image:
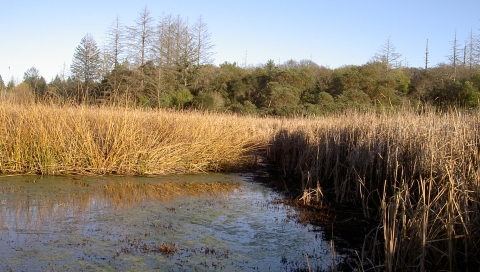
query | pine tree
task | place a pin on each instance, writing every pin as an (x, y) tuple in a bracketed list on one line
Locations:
[(86, 66), (86, 61)]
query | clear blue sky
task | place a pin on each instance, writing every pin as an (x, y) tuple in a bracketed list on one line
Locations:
[(44, 34)]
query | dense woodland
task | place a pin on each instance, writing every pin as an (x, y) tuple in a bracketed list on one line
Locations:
[(168, 63)]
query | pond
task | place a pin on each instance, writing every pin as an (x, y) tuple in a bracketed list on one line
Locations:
[(171, 223)]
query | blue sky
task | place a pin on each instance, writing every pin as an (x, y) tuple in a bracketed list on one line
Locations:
[(44, 34)]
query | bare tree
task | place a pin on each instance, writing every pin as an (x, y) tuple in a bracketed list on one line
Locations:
[(166, 45), (174, 47), (141, 37), (469, 52), (388, 56), (426, 56), (202, 43), (115, 42), (455, 55)]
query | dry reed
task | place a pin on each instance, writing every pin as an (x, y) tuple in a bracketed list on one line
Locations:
[(44, 139), (418, 174)]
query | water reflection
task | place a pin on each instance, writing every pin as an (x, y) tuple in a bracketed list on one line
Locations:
[(180, 223)]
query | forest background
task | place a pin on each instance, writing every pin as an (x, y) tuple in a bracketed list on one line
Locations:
[(168, 63)]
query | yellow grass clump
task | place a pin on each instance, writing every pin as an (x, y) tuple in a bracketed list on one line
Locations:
[(45, 139)]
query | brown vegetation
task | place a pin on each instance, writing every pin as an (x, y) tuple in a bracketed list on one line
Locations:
[(45, 139), (417, 174)]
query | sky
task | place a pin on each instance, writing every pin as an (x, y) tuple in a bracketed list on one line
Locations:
[(44, 34)]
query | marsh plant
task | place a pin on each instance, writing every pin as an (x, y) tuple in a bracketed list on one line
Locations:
[(416, 174), (44, 139)]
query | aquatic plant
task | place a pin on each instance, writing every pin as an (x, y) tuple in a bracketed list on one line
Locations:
[(167, 248), (416, 174)]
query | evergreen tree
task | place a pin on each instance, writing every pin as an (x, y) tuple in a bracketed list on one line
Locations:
[(38, 85), (86, 61), (86, 65)]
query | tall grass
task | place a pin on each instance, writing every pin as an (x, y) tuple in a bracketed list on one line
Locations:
[(45, 139), (418, 174)]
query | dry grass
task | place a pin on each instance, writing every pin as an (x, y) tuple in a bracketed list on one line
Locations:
[(44, 139), (418, 174)]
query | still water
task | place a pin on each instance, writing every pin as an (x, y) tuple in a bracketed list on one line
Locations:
[(210, 222)]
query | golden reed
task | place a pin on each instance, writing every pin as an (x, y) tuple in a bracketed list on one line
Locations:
[(47, 139), (416, 173)]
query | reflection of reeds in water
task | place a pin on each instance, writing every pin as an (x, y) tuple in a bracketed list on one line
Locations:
[(26, 209), (121, 194)]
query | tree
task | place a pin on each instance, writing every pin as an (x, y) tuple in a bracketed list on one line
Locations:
[(454, 57), (388, 56), (2, 84), (37, 84), (86, 63), (141, 38), (470, 58), (115, 42), (202, 44), (426, 56), (11, 84)]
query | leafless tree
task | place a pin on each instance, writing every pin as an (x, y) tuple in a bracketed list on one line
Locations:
[(202, 43), (115, 42), (141, 37), (388, 56), (470, 57), (455, 55), (426, 56)]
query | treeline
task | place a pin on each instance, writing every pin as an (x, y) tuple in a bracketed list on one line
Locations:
[(167, 63)]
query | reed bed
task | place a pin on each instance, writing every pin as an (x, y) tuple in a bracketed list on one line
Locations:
[(45, 139), (417, 174)]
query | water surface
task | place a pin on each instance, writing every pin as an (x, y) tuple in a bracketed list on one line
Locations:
[(172, 223)]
